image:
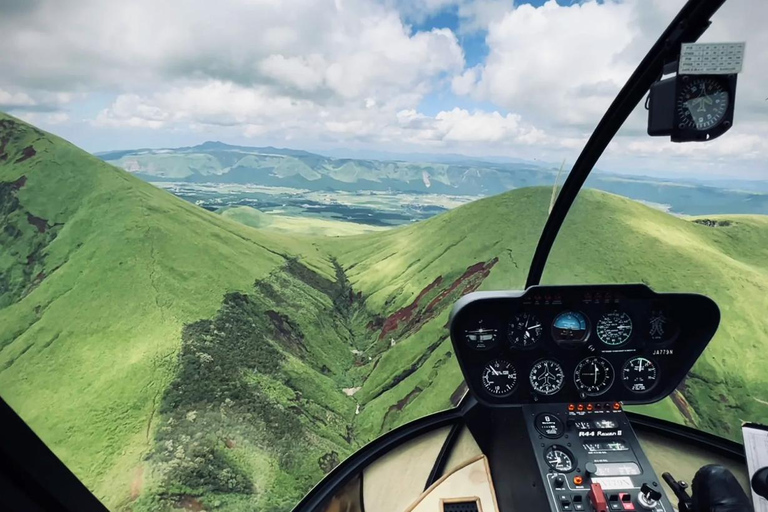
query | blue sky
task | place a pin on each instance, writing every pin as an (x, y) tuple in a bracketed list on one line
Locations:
[(483, 77)]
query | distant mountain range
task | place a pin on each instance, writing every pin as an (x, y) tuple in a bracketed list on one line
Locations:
[(216, 162)]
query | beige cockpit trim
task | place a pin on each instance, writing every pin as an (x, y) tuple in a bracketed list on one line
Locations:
[(454, 471)]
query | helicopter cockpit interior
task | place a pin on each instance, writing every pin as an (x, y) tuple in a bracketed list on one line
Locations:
[(549, 370)]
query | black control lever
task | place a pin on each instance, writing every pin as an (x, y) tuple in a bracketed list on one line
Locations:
[(685, 503)]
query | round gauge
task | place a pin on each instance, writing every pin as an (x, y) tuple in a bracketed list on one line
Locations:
[(559, 459), (639, 374), (614, 328), (547, 377), (524, 330), (593, 376), (570, 326), (499, 377), (660, 326), (482, 334), (701, 104)]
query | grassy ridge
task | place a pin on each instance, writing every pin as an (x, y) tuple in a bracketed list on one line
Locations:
[(88, 351)]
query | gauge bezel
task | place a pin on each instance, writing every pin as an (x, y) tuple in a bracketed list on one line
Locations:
[(587, 327), (580, 387), (562, 379), (486, 368), (615, 312), (566, 451), (689, 123), (655, 380), (513, 322), (490, 346)]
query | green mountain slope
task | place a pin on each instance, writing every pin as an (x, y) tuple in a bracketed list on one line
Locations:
[(100, 271), (175, 358)]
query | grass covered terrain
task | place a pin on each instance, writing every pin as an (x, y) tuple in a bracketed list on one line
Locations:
[(175, 358)]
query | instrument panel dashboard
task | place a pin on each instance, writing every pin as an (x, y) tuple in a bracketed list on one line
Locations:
[(555, 344)]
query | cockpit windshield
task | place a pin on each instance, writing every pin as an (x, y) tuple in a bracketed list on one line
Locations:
[(246, 274)]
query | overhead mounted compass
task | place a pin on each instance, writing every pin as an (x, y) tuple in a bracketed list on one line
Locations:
[(702, 103)]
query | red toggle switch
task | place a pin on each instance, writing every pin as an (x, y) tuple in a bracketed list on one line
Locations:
[(597, 498), (626, 501)]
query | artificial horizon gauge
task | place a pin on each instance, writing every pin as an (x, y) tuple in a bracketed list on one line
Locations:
[(593, 376), (524, 330), (701, 103), (559, 459), (547, 377), (570, 326), (639, 374), (499, 377), (614, 328), (483, 335)]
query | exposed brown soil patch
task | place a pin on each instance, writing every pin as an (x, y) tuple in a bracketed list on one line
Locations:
[(26, 153), (287, 332), (404, 315), (230, 443), (411, 318), (401, 404), (137, 483), (190, 503), (19, 183), (682, 405), (40, 224)]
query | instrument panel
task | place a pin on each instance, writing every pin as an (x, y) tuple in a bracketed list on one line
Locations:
[(555, 344)]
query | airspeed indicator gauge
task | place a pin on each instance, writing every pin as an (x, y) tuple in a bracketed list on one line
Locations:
[(614, 328), (499, 377), (593, 376), (524, 330)]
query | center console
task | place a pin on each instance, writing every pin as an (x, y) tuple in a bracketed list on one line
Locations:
[(590, 459)]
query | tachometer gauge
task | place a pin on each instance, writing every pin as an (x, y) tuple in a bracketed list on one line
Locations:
[(701, 104), (482, 334), (499, 377), (639, 374), (559, 459), (593, 376), (547, 377), (570, 326), (524, 330), (614, 328)]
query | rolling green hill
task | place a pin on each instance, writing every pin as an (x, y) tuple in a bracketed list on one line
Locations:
[(172, 357)]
